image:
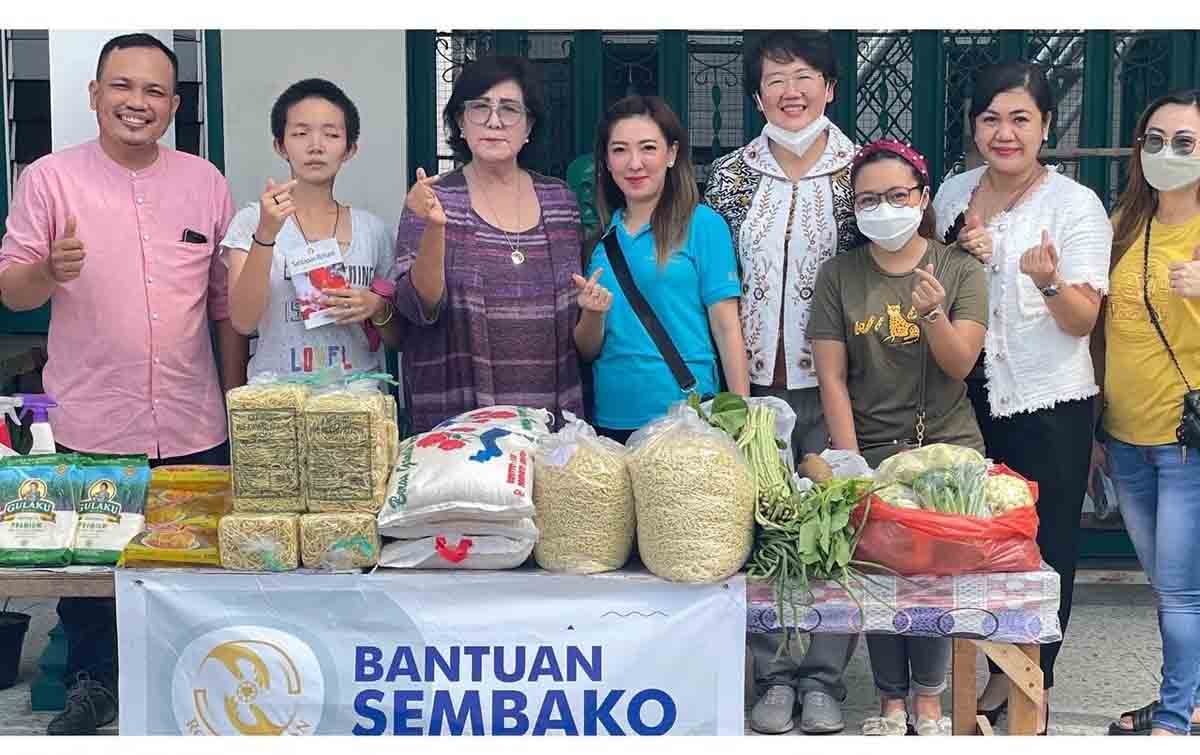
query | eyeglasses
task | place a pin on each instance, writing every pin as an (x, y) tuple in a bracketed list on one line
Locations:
[(781, 83), (896, 196), (1181, 144), (480, 112)]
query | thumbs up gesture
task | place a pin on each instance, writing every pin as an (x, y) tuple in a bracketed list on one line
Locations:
[(975, 239), (1040, 262), (275, 205), (1185, 277), (928, 294), (66, 254)]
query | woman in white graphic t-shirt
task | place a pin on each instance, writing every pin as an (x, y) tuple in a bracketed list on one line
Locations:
[(310, 274)]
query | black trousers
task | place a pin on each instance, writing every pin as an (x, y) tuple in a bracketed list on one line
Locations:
[(1053, 447), (90, 624)]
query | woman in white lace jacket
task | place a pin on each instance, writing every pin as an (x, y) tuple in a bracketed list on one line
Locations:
[(1045, 241)]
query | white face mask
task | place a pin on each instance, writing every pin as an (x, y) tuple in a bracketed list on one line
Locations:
[(1166, 171), (796, 142), (890, 227)]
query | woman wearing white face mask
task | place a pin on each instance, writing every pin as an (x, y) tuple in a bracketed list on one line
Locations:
[(786, 197), (1146, 373), (1046, 255), (897, 325)]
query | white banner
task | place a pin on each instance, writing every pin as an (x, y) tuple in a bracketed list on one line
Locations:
[(502, 653)]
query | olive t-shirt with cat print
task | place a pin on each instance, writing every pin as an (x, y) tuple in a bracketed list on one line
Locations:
[(871, 311)]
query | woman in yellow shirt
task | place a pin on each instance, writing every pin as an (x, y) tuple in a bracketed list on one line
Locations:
[(1152, 356)]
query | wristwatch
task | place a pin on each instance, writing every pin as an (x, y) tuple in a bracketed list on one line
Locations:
[(1052, 290), (933, 314)]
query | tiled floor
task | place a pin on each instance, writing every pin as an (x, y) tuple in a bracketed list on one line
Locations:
[(1109, 664)]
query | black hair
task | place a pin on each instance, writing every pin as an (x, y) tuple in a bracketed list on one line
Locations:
[(1003, 77), (322, 89), (813, 47), (928, 227), (140, 39), (476, 78)]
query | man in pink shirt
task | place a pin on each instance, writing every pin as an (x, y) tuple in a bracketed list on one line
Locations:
[(121, 235)]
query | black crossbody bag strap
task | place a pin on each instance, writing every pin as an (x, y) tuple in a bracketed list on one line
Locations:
[(1150, 307), (650, 321)]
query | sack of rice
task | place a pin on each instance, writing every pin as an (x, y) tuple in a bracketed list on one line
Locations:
[(111, 506), (267, 445), (694, 497), (462, 550), (349, 432), (260, 542), (338, 542), (516, 529), (183, 507), (476, 470), (583, 499), (39, 496)]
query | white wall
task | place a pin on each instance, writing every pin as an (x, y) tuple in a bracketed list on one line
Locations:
[(73, 56), (369, 65)]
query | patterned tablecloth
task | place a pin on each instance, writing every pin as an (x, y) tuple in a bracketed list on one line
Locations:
[(1016, 608)]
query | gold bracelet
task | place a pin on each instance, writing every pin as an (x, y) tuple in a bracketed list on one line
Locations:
[(386, 320)]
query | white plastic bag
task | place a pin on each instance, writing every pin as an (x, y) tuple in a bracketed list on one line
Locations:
[(584, 501), (694, 496), (446, 552), (466, 470), (847, 464)]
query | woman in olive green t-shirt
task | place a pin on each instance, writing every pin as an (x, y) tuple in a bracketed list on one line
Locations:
[(894, 320)]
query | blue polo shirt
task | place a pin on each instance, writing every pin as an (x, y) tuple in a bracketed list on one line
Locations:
[(633, 384)]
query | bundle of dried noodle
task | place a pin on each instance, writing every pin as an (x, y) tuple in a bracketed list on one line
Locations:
[(338, 541), (260, 542), (349, 436), (267, 446)]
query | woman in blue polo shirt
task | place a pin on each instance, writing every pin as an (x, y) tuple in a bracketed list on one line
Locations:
[(680, 256)]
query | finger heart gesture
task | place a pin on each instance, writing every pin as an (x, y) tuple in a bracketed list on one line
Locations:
[(592, 296), (928, 294)]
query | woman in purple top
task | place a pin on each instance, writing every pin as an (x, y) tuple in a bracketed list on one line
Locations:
[(484, 262)]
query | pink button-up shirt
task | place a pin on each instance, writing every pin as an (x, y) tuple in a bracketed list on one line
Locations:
[(130, 357)]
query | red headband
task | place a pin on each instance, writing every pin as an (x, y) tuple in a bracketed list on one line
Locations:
[(899, 148)]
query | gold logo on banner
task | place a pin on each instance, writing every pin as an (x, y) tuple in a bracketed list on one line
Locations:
[(250, 685)]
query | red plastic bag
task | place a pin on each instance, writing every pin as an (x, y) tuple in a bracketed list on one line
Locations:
[(911, 541)]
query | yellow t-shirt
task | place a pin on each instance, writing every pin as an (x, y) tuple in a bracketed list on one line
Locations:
[(1143, 392)]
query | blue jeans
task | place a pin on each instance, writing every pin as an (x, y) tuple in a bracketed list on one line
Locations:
[(1159, 496)]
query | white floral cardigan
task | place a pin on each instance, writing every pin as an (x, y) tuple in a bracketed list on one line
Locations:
[(782, 233)]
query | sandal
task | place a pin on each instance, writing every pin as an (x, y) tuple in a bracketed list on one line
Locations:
[(1143, 722), (895, 725), (934, 727)]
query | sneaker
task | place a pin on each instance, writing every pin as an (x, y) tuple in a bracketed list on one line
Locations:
[(772, 714), (90, 705), (822, 714)]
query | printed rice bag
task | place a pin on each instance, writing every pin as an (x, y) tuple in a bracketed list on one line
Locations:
[(111, 506), (38, 496), (475, 470)]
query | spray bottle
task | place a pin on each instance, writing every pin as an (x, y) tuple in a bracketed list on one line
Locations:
[(8, 408), (38, 405)]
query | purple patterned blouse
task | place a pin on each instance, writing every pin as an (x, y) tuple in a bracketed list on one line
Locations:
[(504, 332)]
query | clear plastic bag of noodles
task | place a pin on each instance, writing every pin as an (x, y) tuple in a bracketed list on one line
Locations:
[(266, 444), (349, 436), (260, 542)]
